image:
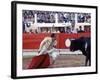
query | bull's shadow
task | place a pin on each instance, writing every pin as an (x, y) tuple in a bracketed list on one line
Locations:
[(83, 44)]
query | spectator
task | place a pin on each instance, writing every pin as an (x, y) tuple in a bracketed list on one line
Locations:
[(68, 30), (73, 30), (62, 30), (57, 30), (80, 29)]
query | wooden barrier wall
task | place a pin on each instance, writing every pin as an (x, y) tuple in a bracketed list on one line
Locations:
[(32, 41)]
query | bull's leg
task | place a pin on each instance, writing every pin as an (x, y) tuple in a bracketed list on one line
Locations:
[(90, 59), (89, 62), (86, 61)]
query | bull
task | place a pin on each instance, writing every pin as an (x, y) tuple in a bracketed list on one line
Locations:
[(84, 45)]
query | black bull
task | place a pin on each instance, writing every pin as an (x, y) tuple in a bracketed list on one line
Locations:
[(84, 45)]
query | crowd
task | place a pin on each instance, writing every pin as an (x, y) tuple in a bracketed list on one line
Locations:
[(66, 17), (28, 18), (49, 16), (67, 30), (28, 15), (45, 17), (84, 17)]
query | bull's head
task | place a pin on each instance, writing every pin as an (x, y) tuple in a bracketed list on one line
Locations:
[(74, 45), (77, 44), (71, 43)]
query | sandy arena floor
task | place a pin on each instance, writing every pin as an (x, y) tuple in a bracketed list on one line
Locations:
[(64, 60)]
